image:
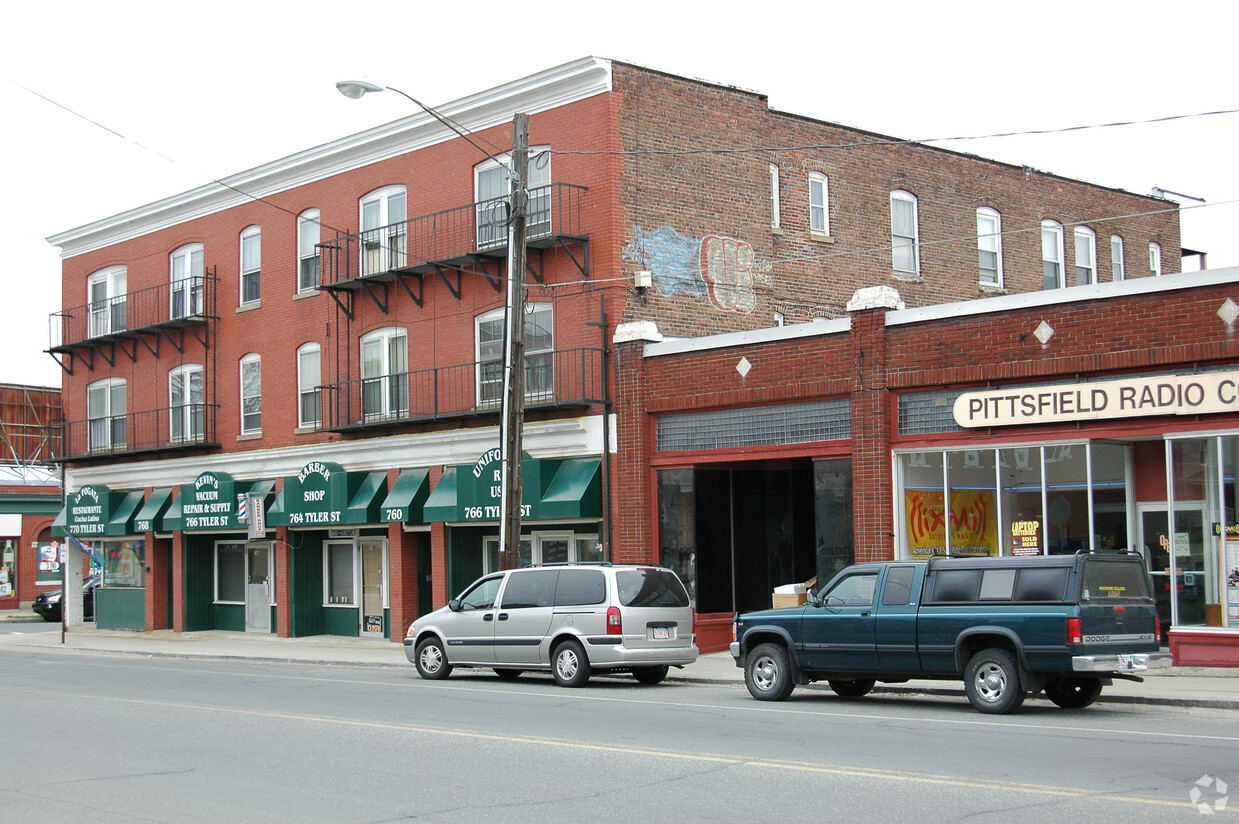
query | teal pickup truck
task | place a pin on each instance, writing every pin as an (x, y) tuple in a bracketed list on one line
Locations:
[(1009, 627)]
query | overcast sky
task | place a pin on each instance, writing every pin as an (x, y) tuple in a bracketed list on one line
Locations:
[(184, 94)]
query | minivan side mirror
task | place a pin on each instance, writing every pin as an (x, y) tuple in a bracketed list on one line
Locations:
[(454, 605)]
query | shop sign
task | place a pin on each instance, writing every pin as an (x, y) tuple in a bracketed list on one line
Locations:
[(1026, 538), (89, 510), (972, 521), (1230, 557), (1204, 394), (209, 502), (323, 494)]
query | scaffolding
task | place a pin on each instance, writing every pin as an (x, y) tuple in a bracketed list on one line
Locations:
[(29, 433)]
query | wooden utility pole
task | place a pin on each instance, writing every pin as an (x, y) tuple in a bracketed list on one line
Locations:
[(514, 351)]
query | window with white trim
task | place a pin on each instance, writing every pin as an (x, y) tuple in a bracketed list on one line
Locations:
[(384, 230), (339, 575), (819, 204), (539, 355), (1155, 258), (1086, 255), (309, 233), (492, 183), (1052, 253), (1116, 257), (775, 221), (188, 281), (251, 265), (905, 238), (106, 294), (989, 246), (384, 374), (251, 394), (309, 375), (230, 575), (186, 403), (105, 413)]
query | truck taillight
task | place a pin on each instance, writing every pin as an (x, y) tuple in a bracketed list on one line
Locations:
[(1075, 632), (615, 624), (1157, 629)]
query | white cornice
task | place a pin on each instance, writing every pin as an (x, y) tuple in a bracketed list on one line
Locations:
[(539, 92), (573, 438)]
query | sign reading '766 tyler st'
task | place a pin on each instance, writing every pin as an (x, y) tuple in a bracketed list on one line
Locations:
[(1103, 400)]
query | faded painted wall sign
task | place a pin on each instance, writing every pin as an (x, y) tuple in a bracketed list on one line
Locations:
[(723, 269)]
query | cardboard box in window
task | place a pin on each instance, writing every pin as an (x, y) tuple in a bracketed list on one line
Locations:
[(794, 599)]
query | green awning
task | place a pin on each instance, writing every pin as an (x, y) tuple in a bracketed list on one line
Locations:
[(24, 503), (58, 525), (210, 503), (121, 522), (276, 510), (322, 494), (407, 498), (441, 505), (575, 490), (150, 516)]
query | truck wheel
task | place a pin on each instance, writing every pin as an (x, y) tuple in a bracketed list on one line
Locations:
[(992, 682), (852, 689), (1073, 693), (768, 673)]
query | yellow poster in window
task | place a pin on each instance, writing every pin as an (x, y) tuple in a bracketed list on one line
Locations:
[(973, 522)]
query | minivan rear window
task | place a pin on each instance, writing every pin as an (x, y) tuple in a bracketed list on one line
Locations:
[(650, 588), (1106, 580)]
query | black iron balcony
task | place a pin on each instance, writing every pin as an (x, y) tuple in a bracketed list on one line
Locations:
[(450, 239), (191, 426), (565, 378), (182, 304)]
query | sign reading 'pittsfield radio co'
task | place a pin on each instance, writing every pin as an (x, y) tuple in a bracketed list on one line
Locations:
[(1204, 394)]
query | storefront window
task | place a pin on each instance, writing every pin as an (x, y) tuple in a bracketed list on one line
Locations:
[(230, 573), (1194, 569), (123, 562), (677, 538), (1066, 494), (973, 516), (1110, 498), (1228, 532), (340, 574), (924, 521), (1022, 521)]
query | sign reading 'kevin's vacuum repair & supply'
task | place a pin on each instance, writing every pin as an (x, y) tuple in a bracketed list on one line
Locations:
[(1104, 400)]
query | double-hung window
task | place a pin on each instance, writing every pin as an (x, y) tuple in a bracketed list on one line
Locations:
[(1155, 258), (187, 282), (1116, 257), (905, 239), (1052, 253), (819, 204), (108, 301), (309, 232), (251, 394), (105, 410), (539, 355), (775, 220), (989, 247), (1086, 256), (384, 374), (492, 185), (186, 403), (384, 230), (309, 401), (251, 265)]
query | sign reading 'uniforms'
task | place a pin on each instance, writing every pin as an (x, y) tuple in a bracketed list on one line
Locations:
[(1204, 394)]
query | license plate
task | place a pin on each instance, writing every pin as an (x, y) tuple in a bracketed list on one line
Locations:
[(662, 633), (1126, 663)]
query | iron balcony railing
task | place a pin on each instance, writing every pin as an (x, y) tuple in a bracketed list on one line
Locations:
[(452, 236), (179, 303), (178, 427), (566, 377)]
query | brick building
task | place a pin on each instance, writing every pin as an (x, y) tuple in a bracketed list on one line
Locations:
[(321, 335), (29, 494)]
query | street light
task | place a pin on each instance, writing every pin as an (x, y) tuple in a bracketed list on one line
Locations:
[(513, 409)]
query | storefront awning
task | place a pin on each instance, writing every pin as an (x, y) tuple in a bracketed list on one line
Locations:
[(551, 489), (121, 522), (210, 503), (322, 494), (150, 516), (407, 498)]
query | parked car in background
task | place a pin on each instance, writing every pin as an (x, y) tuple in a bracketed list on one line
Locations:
[(47, 604), (572, 620)]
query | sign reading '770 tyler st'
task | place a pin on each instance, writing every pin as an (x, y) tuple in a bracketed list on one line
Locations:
[(1203, 394)]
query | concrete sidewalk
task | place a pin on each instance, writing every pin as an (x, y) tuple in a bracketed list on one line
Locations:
[(1178, 686)]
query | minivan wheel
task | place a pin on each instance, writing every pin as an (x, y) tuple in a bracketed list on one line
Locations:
[(768, 673), (992, 682), (1073, 693), (569, 664), (431, 660), (650, 675)]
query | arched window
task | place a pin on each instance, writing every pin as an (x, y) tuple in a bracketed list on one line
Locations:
[(251, 265), (1086, 256), (105, 412), (819, 204), (309, 376), (105, 292), (384, 230), (905, 238), (1052, 253), (989, 246), (309, 233), (492, 184), (1116, 258), (384, 374), (186, 403), (539, 355), (187, 281), (251, 394)]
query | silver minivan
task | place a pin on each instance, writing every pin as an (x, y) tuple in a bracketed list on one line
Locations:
[(571, 619)]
